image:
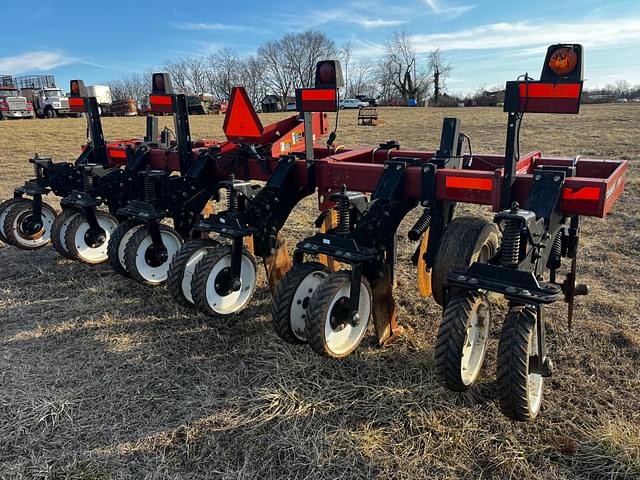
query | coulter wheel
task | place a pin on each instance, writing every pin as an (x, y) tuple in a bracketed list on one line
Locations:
[(519, 390), (461, 345), (211, 287), (183, 266), (85, 245), (59, 230), (4, 210), (145, 262), (292, 298), (21, 231), (329, 330), (118, 242), (465, 241)]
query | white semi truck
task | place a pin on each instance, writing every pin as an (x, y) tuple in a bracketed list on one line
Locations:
[(48, 100)]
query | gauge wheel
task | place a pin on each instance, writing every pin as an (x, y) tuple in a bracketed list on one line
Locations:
[(183, 266), (291, 300), (211, 285), (145, 262), (329, 330), (22, 232), (59, 230), (87, 246), (461, 345), (519, 390), (4, 210), (465, 240), (118, 242)]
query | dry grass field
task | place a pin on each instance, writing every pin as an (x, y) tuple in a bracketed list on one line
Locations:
[(101, 378)]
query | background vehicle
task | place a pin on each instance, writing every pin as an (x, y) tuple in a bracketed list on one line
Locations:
[(291, 106), (370, 101), (103, 96), (353, 103), (12, 104), (48, 100)]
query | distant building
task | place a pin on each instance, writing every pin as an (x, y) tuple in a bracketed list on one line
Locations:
[(271, 103)]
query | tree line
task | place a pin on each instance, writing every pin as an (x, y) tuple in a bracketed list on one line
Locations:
[(280, 66)]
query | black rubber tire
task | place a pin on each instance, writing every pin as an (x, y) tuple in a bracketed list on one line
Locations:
[(201, 277), (513, 364), (460, 246), (71, 233), (452, 335), (131, 252), (13, 213), (319, 309), (283, 300), (114, 245), (4, 206), (179, 264), (58, 241)]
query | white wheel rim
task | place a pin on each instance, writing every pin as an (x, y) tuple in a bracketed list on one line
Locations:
[(151, 274), (475, 344), (189, 269), (300, 302), (343, 340), (234, 301), (98, 253), (47, 221), (534, 380), (62, 233), (123, 243)]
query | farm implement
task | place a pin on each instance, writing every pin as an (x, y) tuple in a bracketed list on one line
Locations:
[(341, 278), (460, 260)]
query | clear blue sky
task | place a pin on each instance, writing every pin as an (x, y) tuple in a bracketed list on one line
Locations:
[(487, 42)]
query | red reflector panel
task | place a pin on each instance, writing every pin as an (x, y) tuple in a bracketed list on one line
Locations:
[(161, 103), (468, 183), (241, 123), (117, 154), (76, 104), (317, 99), (550, 97), (584, 193)]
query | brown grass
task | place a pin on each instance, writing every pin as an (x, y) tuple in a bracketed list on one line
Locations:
[(102, 378)]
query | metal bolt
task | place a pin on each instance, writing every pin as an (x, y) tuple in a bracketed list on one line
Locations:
[(473, 281), (526, 293), (512, 289), (462, 278), (537, 176), (556, 178)]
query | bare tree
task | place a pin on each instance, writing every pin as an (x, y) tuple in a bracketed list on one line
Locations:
[(277, 75), (179, 75), (136, 86), (344, 55), (399, 70), (252, 78), (439, 71), (301, 53)]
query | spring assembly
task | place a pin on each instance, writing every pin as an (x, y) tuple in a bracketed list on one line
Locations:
[(149, 190), (556, 252), (511, 244), (87, 183), (342, 207), (232, 197), (421, 226)]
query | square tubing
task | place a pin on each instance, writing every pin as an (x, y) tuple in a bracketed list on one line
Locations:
[(354, 294), (236, 262)]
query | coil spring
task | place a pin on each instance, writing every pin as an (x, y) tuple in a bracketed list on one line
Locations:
[(149, 191), (421, 226), (232, 197), (556, 252), (511, 244), (342, 209), (37, 170), (87, 183)]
